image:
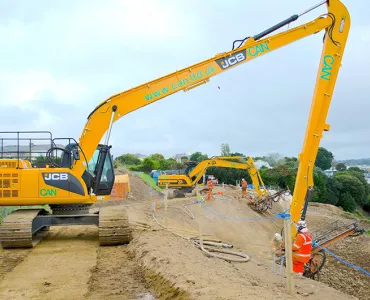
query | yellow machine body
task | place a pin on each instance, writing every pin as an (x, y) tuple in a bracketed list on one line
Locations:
[(39, 186)]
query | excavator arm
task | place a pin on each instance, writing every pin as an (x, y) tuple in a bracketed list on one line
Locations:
[(223, 162), (336, 23), (117, 106)]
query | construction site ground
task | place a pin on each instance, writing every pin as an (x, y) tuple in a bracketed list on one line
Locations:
[(164, 264)]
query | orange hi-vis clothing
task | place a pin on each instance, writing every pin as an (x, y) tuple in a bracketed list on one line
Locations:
[(302, 247), (298, 267), (244, 185), (210, 188)]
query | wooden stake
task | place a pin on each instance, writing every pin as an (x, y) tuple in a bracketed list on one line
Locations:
[(288, 252)]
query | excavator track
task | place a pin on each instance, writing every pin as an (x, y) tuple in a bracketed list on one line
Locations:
[(16, 229), (114, 228)]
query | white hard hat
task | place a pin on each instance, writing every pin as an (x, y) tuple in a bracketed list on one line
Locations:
[(301, 224), (277, 237)]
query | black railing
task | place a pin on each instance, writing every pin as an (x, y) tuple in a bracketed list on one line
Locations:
[(33, 146)]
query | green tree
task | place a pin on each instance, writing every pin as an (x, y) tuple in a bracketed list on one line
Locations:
[(156, 156), (281, 175), (367, 205), (355, 169), (237, 154), (347, 202), (225, 149), (291, 162), (274, 159), (320, 188), (150, 164), (184, 159), (333, 187), (198, 156), (353, 186), (360, 176), (129, 159), (340, 167), (324, 158), (174, 165), (39, 159)]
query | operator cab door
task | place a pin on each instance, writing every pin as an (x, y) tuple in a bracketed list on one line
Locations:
[(107, 177)]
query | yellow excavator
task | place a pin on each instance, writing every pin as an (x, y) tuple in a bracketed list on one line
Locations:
[(185, 183), (85, 174)]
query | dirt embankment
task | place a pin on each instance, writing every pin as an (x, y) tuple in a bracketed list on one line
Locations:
[(157, 264), (353, 249)]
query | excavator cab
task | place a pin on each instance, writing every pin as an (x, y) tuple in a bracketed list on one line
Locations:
[(103, 165), (190, 165), (99, 174)]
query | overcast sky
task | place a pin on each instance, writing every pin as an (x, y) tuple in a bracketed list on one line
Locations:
[(59, 59)]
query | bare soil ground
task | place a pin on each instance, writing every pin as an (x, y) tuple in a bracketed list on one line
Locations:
[(159, 264), (355, 250)]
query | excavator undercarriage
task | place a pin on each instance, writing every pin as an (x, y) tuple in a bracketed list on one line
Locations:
[(24, 228)]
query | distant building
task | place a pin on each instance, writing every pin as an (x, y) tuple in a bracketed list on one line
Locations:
[(178, 157), (28, 151), (330, 172)]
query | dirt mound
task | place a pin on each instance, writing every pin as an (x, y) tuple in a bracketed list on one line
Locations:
[(355, 250), (162, 264)]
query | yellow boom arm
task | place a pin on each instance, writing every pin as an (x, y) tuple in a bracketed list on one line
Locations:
[(222, 162), (336, 24)]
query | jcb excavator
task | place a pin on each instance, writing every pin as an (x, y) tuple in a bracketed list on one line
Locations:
[(85, 174), (195, 171)]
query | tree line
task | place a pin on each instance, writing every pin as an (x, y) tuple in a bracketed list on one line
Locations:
[(347, 188)]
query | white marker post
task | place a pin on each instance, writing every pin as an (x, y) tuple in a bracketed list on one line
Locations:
[(288, 251), (151, 199), (165, 206), (200, 216)]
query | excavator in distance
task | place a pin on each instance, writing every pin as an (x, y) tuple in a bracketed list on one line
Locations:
[(185, 183), (85, 174)]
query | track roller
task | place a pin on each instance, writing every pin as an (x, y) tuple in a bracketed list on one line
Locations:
[(18, 230), (114, 226)]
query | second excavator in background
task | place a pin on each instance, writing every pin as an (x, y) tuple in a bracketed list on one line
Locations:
[(185, 183)]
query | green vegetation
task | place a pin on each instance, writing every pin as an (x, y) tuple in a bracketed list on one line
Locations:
[(155, 161), (324, 159), (347, 189), (150, 181), (198, 156)]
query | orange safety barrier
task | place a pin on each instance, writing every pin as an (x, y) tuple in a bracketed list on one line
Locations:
[(119, 191)]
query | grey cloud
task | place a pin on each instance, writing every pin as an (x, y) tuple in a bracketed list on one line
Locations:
[(262, 106)]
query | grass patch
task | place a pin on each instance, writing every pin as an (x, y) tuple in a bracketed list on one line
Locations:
[(150, 181)]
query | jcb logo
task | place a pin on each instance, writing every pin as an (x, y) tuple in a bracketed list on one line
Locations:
[(56, 176), (229, 61)]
